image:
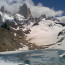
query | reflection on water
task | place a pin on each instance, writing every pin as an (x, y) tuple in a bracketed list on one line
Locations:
[(38, 57)]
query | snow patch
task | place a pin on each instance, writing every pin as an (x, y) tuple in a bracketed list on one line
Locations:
[(15, 34), (16, 28), (6, 16), (19, 17), (24, 48), (45, 33), (60, 45)]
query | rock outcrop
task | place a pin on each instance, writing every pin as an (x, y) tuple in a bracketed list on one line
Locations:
[(0, 20), (25, 11), (2, 9)]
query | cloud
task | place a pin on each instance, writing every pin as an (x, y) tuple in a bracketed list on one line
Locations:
[(35, 10), (13, 8), (40, 10), (62, 19)]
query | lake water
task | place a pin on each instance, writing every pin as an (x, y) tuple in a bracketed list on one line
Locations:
[(35, 57)]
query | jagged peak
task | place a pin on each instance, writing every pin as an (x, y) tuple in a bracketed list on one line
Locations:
[(3, 9), (25, 11), (24, 5)]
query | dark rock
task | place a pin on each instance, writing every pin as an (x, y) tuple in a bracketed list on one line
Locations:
[(6, 42), (9, 42), (52, 18), (6, 26), (27, 61), (27, 31), (2, 9), (25, 11), (63, 24), (61, 32), (63, 55), (1, 20), (61, 40), (42, 16), (35, 24)]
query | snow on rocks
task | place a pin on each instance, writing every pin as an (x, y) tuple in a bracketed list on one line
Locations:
[(6, 16), (19, 17), (45, 33), (60, 45), (24, 48), (15, 34), (16, 29)]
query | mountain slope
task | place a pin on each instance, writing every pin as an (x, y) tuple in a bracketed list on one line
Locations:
[(21, 31)]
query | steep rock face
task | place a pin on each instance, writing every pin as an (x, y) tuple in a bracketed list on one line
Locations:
[(11, 39), (2, 9), (52, 18), (6, 40), (62, 32), (25, 11), (0, 20)]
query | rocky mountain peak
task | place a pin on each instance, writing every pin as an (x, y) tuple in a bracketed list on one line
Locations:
[(0, 20), (2, 9), (25, 11)]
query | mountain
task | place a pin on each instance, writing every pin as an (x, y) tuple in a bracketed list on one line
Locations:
[(25, 11), (21, 31), (2, 9)]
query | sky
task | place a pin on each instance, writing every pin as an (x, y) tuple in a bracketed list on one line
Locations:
[(38, 7), (55, 4), (53, 8)]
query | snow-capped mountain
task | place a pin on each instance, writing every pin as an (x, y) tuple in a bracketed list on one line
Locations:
[(22, 31)]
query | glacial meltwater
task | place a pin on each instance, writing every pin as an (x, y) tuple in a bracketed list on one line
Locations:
[(34, 57)]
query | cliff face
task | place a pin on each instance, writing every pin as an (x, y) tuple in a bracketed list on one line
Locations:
[(6, 40), (0, 20), (3, 9), (25, 11), (10, 39)]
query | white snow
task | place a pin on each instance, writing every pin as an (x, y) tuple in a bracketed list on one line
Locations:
[(15, 28), (15, 23), (19, 17), (61, 55), (0, 13), (24, 48), (26, 64), (21, 43), (45, 33), (28, 26), (6, 16), (24, 29), (56, 46), (15, 34)]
